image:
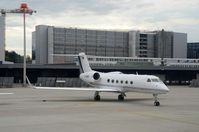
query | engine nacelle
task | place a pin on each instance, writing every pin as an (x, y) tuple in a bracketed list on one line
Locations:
[(90, 76), (96, 76)]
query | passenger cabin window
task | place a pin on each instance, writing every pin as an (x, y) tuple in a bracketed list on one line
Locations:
[(126, 82), (131, 82), (148, 80), (121, 82), (116, 81), (108, 80), (112, 81)]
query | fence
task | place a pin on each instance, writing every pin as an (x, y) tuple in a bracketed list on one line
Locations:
[(6, 82), (60, 82), (194, 83)]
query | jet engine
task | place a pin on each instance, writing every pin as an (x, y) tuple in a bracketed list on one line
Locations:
[(96, 76), (90, 77)]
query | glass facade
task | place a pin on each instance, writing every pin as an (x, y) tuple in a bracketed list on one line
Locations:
[(193, 50), (92, 42)]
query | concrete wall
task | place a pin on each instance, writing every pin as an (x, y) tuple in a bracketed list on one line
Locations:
[(41, 44), (150, 45), (50, 45), (132, 43), (2, 38), (164, 44), (179, 45)]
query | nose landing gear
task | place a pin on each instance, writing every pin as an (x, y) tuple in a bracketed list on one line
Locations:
[(156, 102)]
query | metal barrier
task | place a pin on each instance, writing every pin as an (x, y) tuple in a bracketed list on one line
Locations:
[(194, 83), (6, 82), (60, 82)]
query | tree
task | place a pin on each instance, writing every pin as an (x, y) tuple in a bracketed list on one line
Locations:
[(16, 58), (28, 59)]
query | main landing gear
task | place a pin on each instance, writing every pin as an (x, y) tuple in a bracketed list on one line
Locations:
[(121, 97), (97, 96), (156, 102)]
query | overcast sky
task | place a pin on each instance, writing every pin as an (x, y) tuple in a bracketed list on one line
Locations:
[(172, 15)]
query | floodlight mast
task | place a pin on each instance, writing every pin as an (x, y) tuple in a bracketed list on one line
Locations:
[(23, 10)]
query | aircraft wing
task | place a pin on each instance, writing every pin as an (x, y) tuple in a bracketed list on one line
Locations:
[(5, 93), (77, 89), (100, 89)]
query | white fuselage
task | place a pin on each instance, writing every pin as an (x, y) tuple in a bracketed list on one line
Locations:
[(126, 82)]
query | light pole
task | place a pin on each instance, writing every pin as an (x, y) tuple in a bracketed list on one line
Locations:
[(24, 9)]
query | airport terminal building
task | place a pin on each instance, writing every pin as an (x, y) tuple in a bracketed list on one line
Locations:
[(49, 40)]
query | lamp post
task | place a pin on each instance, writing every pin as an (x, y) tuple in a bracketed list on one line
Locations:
[(23, 8)]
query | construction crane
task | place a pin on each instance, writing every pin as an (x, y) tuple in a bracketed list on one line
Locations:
[(22, 10)]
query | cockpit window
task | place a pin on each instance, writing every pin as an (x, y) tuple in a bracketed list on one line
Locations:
[(148, 80)]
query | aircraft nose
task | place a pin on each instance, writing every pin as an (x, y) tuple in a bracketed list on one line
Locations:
[(165, 89)]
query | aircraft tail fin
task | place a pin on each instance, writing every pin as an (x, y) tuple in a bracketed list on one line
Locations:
[(82, 59), (83, 62)]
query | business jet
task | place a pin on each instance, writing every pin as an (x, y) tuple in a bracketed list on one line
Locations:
[(115, 82)]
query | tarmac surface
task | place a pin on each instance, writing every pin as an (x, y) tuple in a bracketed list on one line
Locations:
[(31, 110)]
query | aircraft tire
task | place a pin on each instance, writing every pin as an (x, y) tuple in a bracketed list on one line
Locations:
[(120, 97), (97, 98), (156, 103)]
